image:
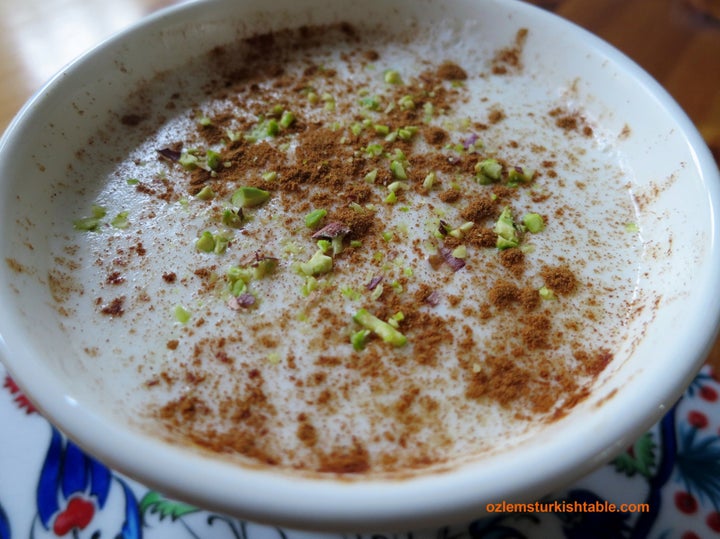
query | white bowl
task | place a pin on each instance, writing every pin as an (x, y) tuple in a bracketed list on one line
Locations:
[(671, 171)]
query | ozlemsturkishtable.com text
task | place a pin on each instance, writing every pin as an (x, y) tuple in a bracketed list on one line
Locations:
[(562, 506)]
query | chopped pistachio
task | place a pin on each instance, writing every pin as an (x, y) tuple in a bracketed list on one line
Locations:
[(189, 160), (132, 181), (287, 119), (272, 128), (384, 330), (370, 102), (337, 244), (359, 339), (204, 121), (221, 243), (238, 287), (428, 110), (533, 222), (273, 358), (520, 174), (391, 198), (392, 77), (407, 132), (460, 251), (397, 186), (406, 102), (206, 193), (236, 273), (214, 162), (313, 219), (350, 293), (265, 267), (395, 319), (377, 292), (91, 223), (311, 284), (329, 102), (324, 245), (371, 176), (373, 150), (398, 170), (269, 176), (234, 136), (458, 232), (632, 227), (381, 129), (248, 197), (507, 235), (319, 263), (121, 220), (232, 218), (206, 242), (86, 224), (391, 137), (429, 181), (182, 315), (488, 171), (546, 293)]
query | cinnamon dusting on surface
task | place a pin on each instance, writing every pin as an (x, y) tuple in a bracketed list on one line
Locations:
[(481, 328)]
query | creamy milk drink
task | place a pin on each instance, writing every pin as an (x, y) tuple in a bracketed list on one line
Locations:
[(335, 251)]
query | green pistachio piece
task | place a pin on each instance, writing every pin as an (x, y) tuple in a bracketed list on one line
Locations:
[(248, 197), (206, 242), (206, 193), (359, 339), (313, 219), (488, 171), (507, 235), (392, 77), (520, 175), (213, 159), (319, 263), (533, 222), (384, 330), (232, 218)]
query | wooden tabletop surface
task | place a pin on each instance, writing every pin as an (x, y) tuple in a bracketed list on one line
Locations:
[(676, 41)]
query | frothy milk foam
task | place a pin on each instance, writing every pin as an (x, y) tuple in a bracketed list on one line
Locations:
[(493, 351)]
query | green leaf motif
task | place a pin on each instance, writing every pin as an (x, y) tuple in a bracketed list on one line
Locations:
[(640, 458), (155, 502)]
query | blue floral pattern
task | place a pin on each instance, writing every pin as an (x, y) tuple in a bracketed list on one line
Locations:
[(674, 468)]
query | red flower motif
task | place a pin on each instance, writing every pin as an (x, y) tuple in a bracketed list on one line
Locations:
[(77, 515), (697, 419), (713, 521), (708, 393), (686, 502), (20, 399)]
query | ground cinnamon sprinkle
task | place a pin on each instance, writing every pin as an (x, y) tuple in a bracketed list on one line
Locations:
[(389, 191), (559, 279)]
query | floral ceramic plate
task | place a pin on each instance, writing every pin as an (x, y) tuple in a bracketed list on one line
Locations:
[(669, 479)]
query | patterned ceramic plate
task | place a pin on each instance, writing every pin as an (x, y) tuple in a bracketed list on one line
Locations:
[(667, 485)]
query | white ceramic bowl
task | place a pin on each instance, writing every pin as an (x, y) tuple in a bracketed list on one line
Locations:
[(672, 171)]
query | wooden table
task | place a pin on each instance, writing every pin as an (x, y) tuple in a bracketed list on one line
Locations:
[(676, 41)]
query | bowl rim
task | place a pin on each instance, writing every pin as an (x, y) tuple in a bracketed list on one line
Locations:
[(386, 504)]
